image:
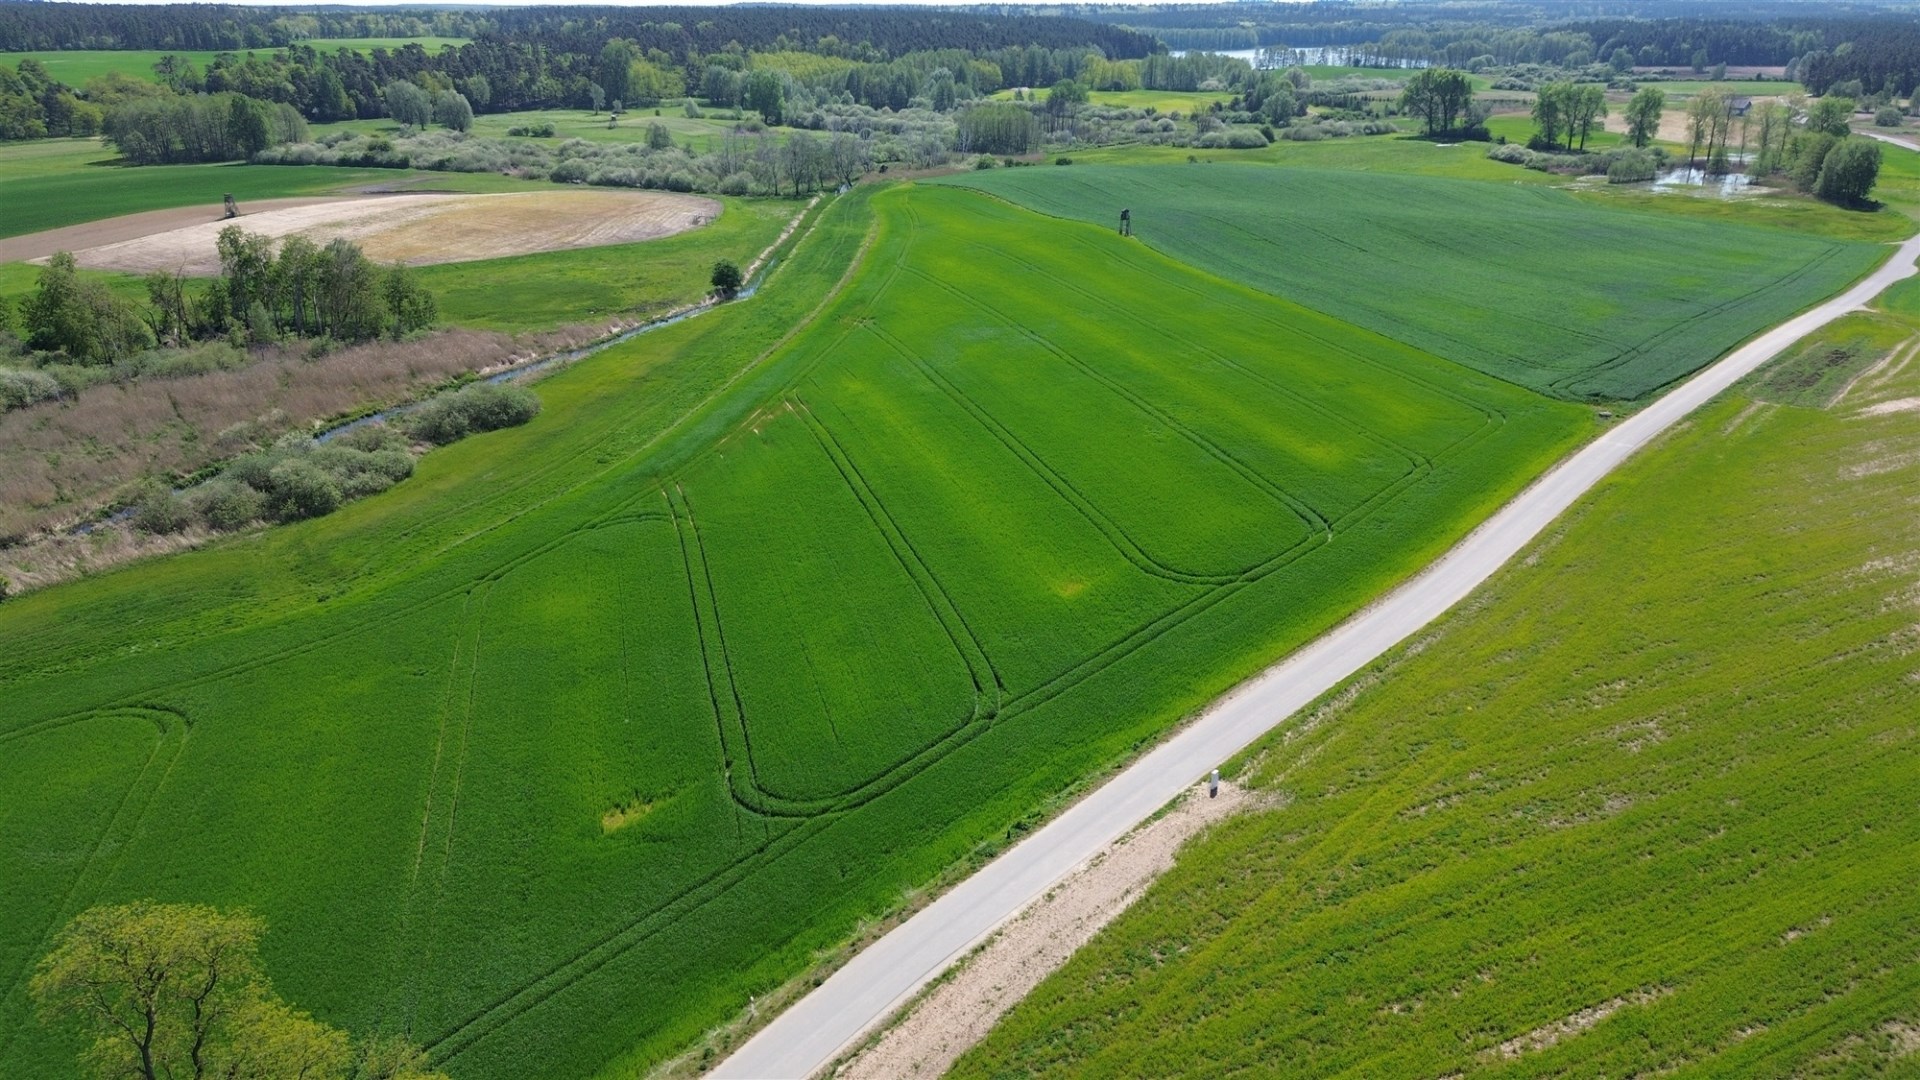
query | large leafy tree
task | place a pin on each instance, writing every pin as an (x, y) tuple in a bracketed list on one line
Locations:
[(1439, 97), (176, 992), (1848, 172), (1643, 114)]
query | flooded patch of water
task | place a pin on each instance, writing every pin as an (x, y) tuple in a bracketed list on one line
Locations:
[(1697, 180)]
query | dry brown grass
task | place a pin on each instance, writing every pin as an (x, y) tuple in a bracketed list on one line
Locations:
[(62, 461)]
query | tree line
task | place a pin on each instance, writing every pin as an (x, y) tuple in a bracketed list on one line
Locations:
[(304, 290), (493, 75), (850, 32)]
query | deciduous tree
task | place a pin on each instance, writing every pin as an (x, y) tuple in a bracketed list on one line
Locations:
[(1643, 114), (408, 104), (1848, 172), (1438, 96), (176, 992), (1550, 112), (1586, 106)]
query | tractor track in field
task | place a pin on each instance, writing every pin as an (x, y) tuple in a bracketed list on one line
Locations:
[(864, 992)]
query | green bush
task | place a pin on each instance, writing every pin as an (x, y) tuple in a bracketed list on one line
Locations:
[(226, 504), (22, 387), (480, 407), (299, 479), (161, 511), (298, 488), (371, 437), (1633, 167)]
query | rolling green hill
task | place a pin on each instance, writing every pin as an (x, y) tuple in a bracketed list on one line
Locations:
[(1524, 283), (1642, 806), (556, 753)]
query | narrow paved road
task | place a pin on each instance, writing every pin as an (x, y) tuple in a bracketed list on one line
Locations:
[(820, 1025)]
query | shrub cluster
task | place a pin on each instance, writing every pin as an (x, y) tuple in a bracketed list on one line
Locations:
[(50, 377), (475, 408), (20, 388), (1337, 129), (1234, 138), (1620, 165), (293, 479), (298, 478)]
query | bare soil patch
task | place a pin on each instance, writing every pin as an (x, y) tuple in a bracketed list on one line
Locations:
[(416, 229), (1541, 1038), (134, 226), (1911, 404), (957, 1013)]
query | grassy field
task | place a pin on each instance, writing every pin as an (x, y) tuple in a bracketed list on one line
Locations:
[(1686, 88), (703, 133), (75, 66), (627, 281), (51, 183), (1641, 807), (1186, 103), (607, 722), (1519, 127), (549, 289), (555, 288), (1523, 283)]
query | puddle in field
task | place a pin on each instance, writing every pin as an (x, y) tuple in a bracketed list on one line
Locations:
[(1725, 187)]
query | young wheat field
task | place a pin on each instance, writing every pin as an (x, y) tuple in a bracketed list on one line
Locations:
[(598, 726)]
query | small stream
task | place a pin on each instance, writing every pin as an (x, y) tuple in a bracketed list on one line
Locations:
[(559, 359), (513, 374)]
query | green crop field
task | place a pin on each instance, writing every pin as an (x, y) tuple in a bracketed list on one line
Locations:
[(630, 281), (554, 754), (76, 66), (1526, 283), (703, 133), (554, 288), (1642, 807), (550, 289), (52, 183)]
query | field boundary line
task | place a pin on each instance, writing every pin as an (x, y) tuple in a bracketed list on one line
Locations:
[(867, 989)]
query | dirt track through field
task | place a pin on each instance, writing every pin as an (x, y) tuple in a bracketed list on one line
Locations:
[(413, 229)]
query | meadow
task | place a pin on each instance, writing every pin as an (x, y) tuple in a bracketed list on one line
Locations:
[(1639, 807), (702, 133), (625, 281), (52, 183), (1524, 283), (555, 754)]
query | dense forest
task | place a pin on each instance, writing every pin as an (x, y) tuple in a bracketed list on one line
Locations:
[(551, 57), (855, 33)]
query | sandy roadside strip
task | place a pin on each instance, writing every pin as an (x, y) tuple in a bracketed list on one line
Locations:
[(954, 1015)]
